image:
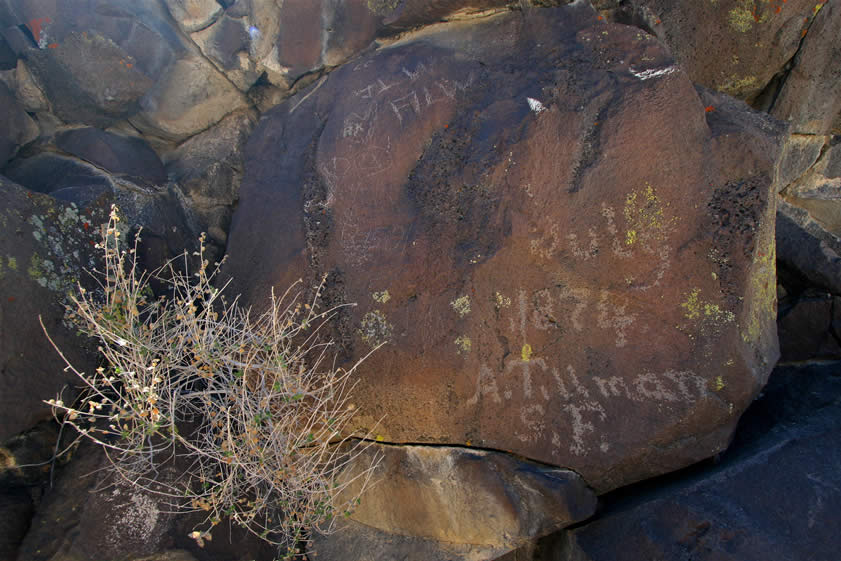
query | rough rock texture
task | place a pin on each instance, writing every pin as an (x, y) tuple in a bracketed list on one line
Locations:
[(16, 127), (208, 168), (806, 328), (760, 502), (734, 46), (803, 245), (114, 153), (160, 209), (101, 62), (88, 515), (547, 230), (810, 98), (818, 190), (468, 497), (44, 250)]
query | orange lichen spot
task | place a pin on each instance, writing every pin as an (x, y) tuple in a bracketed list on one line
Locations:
[(446, 126), (11, 298), (129, 65), (658, 22), (709, 109), (53, 45), (600, 18), (778, 9), (803, 33)]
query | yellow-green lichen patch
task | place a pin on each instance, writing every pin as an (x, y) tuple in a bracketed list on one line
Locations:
[(381, 297), (375, 329), (697, 309), (501, 301), (718, 383), (383, 7), (762, 295), (739, 86), (464, 344), (646, 218), (12, 263), (741, 18), (461, 305), (526, 352)]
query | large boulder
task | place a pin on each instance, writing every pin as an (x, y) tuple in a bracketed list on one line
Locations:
[(469, 504), (566, 250), (46, 249), (726, 512)]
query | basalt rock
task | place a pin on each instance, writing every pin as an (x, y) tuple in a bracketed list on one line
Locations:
[(103, 62), (45, 249), (566, 251), (725, 512), (474, 501), (734, 46)]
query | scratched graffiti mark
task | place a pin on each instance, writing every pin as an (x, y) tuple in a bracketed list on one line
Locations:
[(647, 227), (535, 105), (586, 409), (652, 72)]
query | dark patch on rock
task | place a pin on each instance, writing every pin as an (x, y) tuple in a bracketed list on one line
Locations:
[(114, 153)]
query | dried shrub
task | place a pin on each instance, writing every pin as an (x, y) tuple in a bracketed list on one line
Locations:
[(253, 406)]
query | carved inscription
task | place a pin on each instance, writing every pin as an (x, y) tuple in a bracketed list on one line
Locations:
[(544, 385), (646, 227)]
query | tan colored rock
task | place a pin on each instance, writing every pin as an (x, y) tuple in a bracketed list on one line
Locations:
[(468, 497), (190, 98), (193, 15)]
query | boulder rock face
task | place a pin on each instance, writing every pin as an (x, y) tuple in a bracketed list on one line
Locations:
[(565, 250), (726, 513), (733, 46), (811, 96), (469, 497), (46, 248), (104, 61)]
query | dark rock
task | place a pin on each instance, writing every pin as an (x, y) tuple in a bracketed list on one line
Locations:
[(810, 98), (46, 248), (91, 514), (208, 168), (27, 458), (101, 62), (732, 46), (8, 58), (806, 330), (545, 281), (408, 14), (788, 442), (16, 509), (16, 128), (114, 153), (463, 497), (60, 176), (806, 247)]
